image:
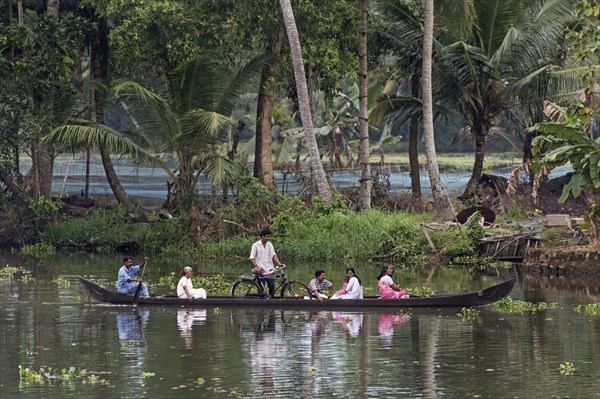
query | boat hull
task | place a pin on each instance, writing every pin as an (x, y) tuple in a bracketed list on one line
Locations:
[(476, 298)]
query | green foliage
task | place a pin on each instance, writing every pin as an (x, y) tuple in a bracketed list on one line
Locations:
[(420, 291), (62, 282), (39, 250), (61, 377), (567, 368), (43, 209), (8, 272), (214, 285), (515, 212), (509, 305), (328, 208), (104, 227), (590, 309), (469, 314)]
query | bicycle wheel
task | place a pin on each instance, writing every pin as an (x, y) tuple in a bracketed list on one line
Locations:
[(244, 288), (294, 289)]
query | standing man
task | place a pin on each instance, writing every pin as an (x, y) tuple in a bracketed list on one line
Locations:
[(318, 285), (127, 283), (262, 256)]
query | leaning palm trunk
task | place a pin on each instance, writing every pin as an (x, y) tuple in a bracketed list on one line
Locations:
[(318, 174), (442, 203), (119, 192), (364, 194)]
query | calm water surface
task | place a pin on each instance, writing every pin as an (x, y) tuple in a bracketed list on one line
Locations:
[(264, 353)]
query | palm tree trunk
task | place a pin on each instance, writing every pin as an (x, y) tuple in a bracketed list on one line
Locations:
[(471, 188), (318, 174), (441, 201), (413, 142), (263, 160), (98, 59), (364, 193)]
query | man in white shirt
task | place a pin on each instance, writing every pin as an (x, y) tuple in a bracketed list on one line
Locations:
[(262, 256)]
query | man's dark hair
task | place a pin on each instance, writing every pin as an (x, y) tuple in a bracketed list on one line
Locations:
[(265, 232), (319, 272), (126, 258)]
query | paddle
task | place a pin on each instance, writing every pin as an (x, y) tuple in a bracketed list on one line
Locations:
[(139, 287)]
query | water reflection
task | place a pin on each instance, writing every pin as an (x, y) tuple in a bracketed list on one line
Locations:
[(351, 321), (131, 327), (264, 353), (386, 325), (186, 319)]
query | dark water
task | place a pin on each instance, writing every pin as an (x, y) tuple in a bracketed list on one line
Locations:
[(263, 353)]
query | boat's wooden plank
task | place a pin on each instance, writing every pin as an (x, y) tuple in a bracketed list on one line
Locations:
[(478, 298)]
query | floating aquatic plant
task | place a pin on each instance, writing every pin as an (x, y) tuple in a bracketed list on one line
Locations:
[(509, 305), (591, 309), (63, 376), (38, 250), (420, 291), (8, 272), (62, 282), (468, 314), (567, 368)]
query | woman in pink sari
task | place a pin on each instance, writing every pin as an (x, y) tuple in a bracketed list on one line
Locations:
[(387, 288)]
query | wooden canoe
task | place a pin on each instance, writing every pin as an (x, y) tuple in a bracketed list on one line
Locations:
[(476, 298)]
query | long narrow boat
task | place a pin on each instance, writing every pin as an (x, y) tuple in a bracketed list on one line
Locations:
[(476, 298)]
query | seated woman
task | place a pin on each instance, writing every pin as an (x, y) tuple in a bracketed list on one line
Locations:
[(387, 288), (354, 288), (185, 288)]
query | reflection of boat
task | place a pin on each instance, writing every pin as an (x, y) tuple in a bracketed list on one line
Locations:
[(476, 298)]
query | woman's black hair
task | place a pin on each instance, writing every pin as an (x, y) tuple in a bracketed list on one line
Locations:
[(319, 272), (384, 269), (353, 271)]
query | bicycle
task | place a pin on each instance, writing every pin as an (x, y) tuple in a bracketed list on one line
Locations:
[(253, 287)]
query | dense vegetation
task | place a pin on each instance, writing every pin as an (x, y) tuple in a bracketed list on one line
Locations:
[(209, 89)]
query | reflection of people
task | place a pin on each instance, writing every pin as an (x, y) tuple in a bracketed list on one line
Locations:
[(131, 325), (262, 256), (127, 283), (318, 285), (264, 354), (318, 322), (387, 288), (353, 289), (186, 318), (185, 288), (351, 321), (386, 325)]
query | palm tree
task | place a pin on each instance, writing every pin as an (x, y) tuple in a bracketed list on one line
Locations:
[(492, 56), (317, 171), (364, 194), (441, 201), (187, 117)]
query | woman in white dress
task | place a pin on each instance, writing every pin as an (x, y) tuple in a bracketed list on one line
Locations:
[(185, 288), (353, 289)]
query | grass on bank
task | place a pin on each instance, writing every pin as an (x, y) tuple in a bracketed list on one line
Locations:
[(325, 232)]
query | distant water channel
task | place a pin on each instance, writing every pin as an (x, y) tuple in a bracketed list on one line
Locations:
[(149, 352)]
